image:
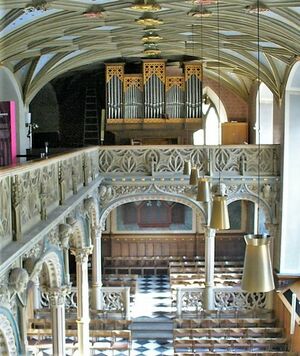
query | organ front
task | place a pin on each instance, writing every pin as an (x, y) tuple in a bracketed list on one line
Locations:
[(163, 102)]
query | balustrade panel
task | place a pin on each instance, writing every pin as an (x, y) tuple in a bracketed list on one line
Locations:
[(229, 160), (5, 211)]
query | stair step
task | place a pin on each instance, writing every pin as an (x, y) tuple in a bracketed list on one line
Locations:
[(152, 334), (151, 327)]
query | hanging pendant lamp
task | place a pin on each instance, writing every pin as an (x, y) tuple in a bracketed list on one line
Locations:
[(194, 176), (219, 214), (257, 273), (187, 168), (203, 192)]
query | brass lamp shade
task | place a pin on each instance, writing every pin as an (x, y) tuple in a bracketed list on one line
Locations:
[(187, 168), (219, 215), (194, 176), (203, 193), (257, 275)]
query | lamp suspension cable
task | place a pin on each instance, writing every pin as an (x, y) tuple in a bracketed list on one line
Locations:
[(219, 84), (258, 116), (219, 213), (257, 271)]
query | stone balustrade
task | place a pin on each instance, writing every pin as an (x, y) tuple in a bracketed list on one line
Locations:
[(210, 160), (191, 299), (32, 191)]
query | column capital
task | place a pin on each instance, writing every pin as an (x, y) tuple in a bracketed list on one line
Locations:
[(57, 295), (81, 254), (98, 231), (208, 231)]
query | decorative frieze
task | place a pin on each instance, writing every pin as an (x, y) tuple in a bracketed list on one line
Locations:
[(225, 159)]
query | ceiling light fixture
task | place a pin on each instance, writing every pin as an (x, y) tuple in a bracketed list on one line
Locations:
[(257, 8), (148, 20), (36, 5), (205, 2), (94, 12), (152, 49), (257, 272), (145, 5), (199, 11), (151, 37), (152, 52)]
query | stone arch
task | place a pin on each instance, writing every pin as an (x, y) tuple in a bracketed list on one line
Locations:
[(197, 208), (52, 264), (217, 102), (261, 203), (9, 334)]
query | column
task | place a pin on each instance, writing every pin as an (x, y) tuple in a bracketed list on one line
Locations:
[(36, 293), (96, 269), (57, 304), (83, 318), (209, 267)]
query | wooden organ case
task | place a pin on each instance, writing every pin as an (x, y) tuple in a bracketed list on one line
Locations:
[(154, 105)]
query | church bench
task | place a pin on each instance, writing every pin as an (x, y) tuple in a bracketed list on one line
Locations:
[(225, 322), (111, 340), (246, 353), (191, 344)]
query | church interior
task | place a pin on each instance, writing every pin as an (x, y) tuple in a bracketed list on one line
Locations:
[(148, 189)]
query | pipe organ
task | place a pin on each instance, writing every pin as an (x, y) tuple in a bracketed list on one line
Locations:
[(153, 94), (114, 90)]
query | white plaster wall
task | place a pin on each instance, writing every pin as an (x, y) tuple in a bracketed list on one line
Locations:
[(290, 232)]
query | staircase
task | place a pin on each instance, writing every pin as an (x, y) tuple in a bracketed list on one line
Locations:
[(152, 328), (91, 118)]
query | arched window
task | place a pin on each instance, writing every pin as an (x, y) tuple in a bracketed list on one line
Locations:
[(213, 115), (264, 111)]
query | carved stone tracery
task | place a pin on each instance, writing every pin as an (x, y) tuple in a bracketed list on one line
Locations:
[(7, 337)]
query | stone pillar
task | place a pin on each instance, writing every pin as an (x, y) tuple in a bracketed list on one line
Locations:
[(83, 318), (65, 231), (209, 267), (57, 304), (36, 301), (96, 269)]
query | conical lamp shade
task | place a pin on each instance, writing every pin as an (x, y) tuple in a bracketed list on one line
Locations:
[(203, 193), (219, 214), (187, 168), (194, 176), (257, 274)]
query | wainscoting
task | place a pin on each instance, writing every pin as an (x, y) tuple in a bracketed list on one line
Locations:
[(228, 246)]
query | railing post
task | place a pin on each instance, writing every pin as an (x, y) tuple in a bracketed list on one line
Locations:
[(179, 302), (16, 208), (127, 303)]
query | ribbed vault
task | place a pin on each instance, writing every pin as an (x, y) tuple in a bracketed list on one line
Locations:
[(40, 45)]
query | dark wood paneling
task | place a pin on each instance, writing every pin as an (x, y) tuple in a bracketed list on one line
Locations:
[(227, 246)]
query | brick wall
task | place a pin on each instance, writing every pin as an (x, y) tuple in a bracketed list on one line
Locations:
[(236, 108)]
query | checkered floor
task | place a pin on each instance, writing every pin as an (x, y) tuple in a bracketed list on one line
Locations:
[(153, 298)]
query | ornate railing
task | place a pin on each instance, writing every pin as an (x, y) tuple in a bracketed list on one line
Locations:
[(191, 300), (113, 299), (151, 160), (31, 191)]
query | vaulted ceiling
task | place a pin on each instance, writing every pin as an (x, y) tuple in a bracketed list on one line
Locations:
[(40, 42)]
